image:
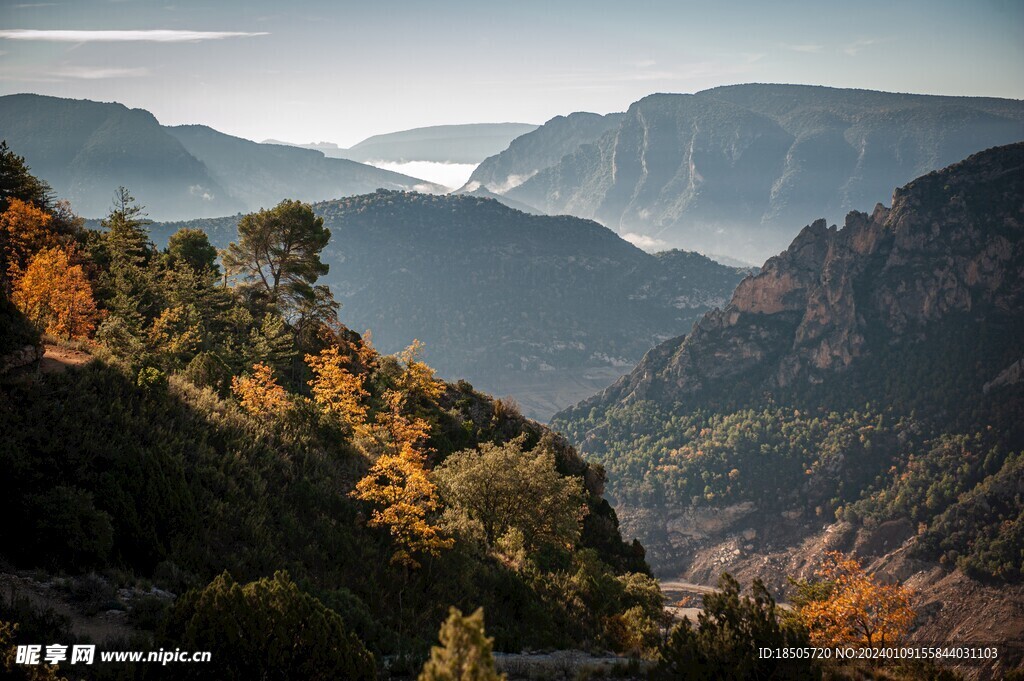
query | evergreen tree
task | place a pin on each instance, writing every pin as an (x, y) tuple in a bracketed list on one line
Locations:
[(465, 651), (278, 253), (724, 645), (17, 182), (192, 247), (127, 237), (267, 629)]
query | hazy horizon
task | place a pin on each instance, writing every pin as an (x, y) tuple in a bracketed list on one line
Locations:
[(342, 72)]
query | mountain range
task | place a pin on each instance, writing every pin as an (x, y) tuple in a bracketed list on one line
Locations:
[(545, 309), (730, 170), (861, 392), (86, 149)]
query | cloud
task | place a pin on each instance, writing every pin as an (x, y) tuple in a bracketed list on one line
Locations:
[(804, 47), (154, 36), (857, 45), (99, 72), (647, 243)]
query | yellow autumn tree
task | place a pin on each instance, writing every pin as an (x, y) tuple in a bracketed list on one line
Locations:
[(398, 486), (56, 295), (417, 378), (259, 393), (336, 388), (852, 608), (177, 332), (24, 231)]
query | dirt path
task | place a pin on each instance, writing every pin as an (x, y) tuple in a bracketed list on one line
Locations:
[(56, 359), (676, 590), (99, 628)]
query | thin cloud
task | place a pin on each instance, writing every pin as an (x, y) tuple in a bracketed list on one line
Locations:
[(857, 45), (643, 241), (811, 48), (153, 36), (99, 73)]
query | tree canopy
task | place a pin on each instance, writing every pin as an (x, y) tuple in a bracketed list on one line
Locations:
[(278, 252)]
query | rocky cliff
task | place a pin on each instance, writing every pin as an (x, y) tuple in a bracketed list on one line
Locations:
[(950, 243), (732, 170)]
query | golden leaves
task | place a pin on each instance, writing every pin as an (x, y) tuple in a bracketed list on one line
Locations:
[(56, 295), (260, 394), (336, 389), (858, 610)]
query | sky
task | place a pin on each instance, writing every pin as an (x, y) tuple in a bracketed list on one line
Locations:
[(341, 71)]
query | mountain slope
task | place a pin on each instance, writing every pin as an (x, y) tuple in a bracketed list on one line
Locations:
[(548, 309), (730, 170), (86, 149), (864, 379), (542, 148), (260, 175), (468, 143)]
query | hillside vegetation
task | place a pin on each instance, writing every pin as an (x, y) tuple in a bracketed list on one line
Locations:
[(546, 309), (243, 451)]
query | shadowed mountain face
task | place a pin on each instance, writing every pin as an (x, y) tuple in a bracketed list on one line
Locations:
[(547, 309), (844, 382), (86, 149), (730, 170), (539, 149)]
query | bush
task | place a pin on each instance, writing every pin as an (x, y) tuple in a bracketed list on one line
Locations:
[(266, 626), (724, 644)]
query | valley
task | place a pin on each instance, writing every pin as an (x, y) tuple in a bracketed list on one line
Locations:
[(525, 342)]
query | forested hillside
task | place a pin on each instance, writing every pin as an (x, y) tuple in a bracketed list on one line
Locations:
[(236, 455), (546, 309), (864, 375)]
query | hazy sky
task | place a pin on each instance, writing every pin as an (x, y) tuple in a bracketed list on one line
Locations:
[(341, 71)]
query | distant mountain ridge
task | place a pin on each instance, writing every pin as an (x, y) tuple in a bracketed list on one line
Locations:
[(730, 170), (86, 149), (547, 309), (463, 143)]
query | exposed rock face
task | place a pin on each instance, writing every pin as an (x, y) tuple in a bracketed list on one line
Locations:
[(1008, 376), (734, 169), (809, 311), (23, 357)]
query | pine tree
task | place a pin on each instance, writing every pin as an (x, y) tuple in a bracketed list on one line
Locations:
[(17, 182), (465, 653), (278, 253)]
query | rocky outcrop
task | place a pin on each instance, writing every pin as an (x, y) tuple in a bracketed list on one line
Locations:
[(1011, 375), (952, 242), (23, 357)]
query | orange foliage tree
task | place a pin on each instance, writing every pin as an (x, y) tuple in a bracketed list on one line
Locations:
[(24, 231), (259, 393), (56, 295), (417, 378), (397, 484), (852, 608), (336, 388)]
